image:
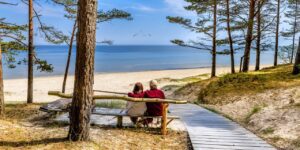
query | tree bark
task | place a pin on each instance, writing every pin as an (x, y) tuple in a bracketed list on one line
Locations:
[(296, 69), (2, 106), (69, 57), (30, 54), (230, 36), (249, 36), (214, 49), (258, 40), (294, 34), (84, 71), (277, 34)]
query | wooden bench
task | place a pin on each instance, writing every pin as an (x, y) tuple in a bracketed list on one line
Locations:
[(165, 103), (120, 114)]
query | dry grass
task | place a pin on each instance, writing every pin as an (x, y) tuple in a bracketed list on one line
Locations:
[(249, 83), (24, 127)]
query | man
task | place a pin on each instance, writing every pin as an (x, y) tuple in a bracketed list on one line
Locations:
[(154, 109)]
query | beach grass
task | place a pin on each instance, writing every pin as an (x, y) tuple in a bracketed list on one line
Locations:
[(118, 104), (245, 83)]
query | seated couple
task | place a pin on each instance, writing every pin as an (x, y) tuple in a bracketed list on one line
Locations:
[(135, 109)]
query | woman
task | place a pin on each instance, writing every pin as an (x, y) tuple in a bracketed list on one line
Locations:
[(136, 109)]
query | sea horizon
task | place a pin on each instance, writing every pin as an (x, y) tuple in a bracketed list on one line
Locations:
[(128, 58)]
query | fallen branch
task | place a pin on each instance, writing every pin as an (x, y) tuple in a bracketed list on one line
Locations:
[(115, 97)]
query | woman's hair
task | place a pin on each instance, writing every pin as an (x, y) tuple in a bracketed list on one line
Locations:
[(138, 87)]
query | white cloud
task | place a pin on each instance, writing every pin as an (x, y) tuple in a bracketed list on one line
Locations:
[(143, 8), (177, 7), (44, 10)]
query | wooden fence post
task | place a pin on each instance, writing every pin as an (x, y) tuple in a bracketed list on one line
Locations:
[(164, 119)]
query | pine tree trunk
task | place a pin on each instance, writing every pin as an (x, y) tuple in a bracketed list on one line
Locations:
[(296, 69), (258, 40), (277, 34), (69, 57), (214, 49), (249, 36), (230, 37), (30, 54), (2, 106), (294, 33), (84, 71)]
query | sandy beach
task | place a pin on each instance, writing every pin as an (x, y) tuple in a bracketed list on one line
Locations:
[(16, 89)]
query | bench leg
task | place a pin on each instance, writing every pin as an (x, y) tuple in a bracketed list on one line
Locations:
[(120, 122), (164, 119)]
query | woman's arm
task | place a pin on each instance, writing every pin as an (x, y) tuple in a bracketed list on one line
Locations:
[(130, 95)]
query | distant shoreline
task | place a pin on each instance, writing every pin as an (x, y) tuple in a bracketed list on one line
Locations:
[(149, 70), (96, 73)]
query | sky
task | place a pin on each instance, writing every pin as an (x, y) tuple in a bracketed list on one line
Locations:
[(148, 27)]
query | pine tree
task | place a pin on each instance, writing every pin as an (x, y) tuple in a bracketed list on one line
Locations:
[(230, 40), (277, 32), (293, 16), (30, 53), (249, 35), (232, 16), (84, 71), (264, 28), (50, 34), (13, 35), (296, 69), (2, 105), (206, 25)]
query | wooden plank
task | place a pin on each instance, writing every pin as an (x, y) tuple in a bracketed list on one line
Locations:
[(224, 147), (235, 144), (224, 138), (230, 140), (223, 133), (215, 147)]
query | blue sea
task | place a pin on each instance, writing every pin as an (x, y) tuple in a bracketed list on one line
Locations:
[(128, 59)]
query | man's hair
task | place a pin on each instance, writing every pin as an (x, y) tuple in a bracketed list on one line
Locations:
[(153, 84)]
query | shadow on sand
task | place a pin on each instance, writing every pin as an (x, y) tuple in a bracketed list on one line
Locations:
[(32, 142)]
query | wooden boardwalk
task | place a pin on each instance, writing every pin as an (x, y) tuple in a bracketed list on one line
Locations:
[(208, 130)]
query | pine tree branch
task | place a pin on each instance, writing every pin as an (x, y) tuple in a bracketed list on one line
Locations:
[(6, 3), (183, 44)]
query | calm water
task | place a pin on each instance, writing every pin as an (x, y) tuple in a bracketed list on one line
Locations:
[(129, 58)]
